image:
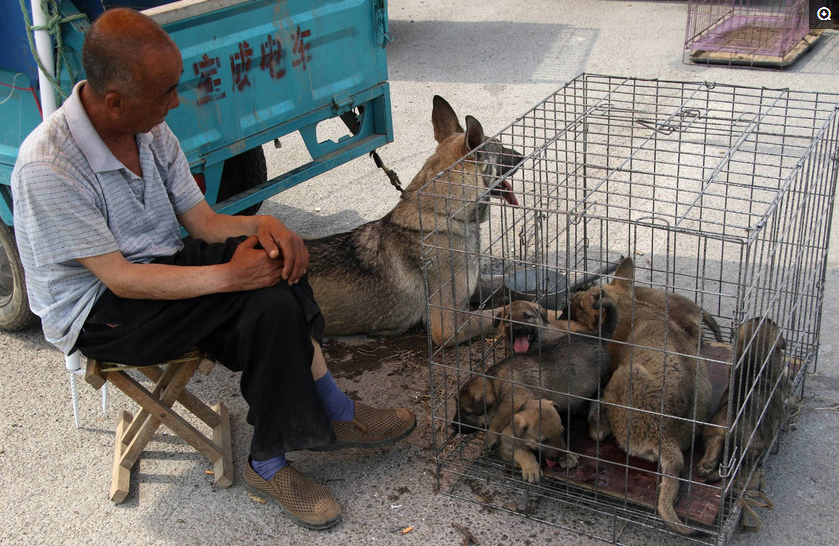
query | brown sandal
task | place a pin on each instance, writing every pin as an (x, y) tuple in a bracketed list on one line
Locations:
[(372, 428), (305, 502)]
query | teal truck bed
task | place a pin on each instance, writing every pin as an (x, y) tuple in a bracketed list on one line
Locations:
[(254, 71)]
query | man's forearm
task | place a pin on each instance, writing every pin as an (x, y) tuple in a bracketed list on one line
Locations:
[(219, 227), (249, 269), (202, 222), (159, 281)]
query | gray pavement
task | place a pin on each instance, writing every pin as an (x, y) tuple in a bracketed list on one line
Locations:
[(491, 59)]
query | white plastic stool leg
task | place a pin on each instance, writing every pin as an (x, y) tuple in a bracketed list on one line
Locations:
[(74, 366)]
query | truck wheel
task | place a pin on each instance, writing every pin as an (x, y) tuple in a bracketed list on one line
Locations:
[(14, 305), (241, 173)]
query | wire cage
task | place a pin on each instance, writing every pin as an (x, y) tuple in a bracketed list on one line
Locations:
[(747, 32), (721, 194)]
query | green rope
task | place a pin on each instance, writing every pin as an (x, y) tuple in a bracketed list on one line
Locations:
[(53, 27)]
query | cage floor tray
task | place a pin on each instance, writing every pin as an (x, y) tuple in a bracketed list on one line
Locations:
[(607, 469), (734, 50)]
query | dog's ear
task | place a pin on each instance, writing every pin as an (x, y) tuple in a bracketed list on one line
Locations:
[(781, 343), (444, 120), (474, 133), (483, 400), (489, 400), (625, 273), (543, 314), (502, 313), (520, 425), (572, 306)]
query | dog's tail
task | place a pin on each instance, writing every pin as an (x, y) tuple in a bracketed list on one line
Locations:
[(672, 463), (608, 314), (711, 323)]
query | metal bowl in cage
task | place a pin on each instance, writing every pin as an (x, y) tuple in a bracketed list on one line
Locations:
[(546, 287)]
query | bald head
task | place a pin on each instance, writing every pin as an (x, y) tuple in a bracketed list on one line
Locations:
[(117, 46)]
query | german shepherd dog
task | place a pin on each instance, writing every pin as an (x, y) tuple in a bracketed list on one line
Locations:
[(756, 386), (370, 280), (657, 372)]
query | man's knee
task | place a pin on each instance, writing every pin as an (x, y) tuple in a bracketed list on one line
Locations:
[(275, 304)]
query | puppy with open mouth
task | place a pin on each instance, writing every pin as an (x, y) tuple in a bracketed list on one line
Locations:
[(544, 361)]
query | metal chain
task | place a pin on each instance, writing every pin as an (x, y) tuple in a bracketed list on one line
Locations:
[(394, 178)]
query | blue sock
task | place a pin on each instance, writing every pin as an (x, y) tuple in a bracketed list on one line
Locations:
[(339, 407), (267, 469)]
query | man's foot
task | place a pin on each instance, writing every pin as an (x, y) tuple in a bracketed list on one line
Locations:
[(372, 428), (305, 502)]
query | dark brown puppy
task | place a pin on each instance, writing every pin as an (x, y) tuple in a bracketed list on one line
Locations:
[(758, 392), (566, 368), (521, 321)]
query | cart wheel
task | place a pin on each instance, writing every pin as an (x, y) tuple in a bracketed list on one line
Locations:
[(241, 173), (14, 305)]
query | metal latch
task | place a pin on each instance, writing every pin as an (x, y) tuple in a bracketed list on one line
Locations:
[(381, 23), (342, 103)]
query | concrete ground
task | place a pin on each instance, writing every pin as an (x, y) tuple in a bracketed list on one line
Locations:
[(494, 60)]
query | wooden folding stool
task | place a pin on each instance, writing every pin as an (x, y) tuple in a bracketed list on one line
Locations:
[(170, 379)]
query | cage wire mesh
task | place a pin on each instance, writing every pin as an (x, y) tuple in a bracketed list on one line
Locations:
[(747, 32), (721, 194)]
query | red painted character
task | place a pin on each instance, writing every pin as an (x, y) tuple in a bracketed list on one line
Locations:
[(301, 48), (240, 63), (272, 54), (209, 86)]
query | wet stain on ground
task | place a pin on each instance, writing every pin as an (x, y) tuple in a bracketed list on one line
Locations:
[(399, 492), (350, 358)]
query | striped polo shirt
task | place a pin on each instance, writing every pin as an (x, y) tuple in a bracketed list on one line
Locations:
[(74, 199)]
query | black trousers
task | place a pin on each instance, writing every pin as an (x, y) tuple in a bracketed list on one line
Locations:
[(264, 333)]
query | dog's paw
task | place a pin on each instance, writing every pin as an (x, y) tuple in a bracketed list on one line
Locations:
[(599, 426), (599, 430), (571, 460), (708, 471), (531, 473)]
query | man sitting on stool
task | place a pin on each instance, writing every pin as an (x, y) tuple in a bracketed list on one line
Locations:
[(100, 191)]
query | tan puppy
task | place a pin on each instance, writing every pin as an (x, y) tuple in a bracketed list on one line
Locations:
[(758, 390), (536, 428), (656, 375), (682, 313)]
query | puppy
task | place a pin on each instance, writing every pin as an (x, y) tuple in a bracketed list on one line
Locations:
[(682, 313), (525, 320), (536, 428), (550, 363), (758, 383), (658, 371)]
